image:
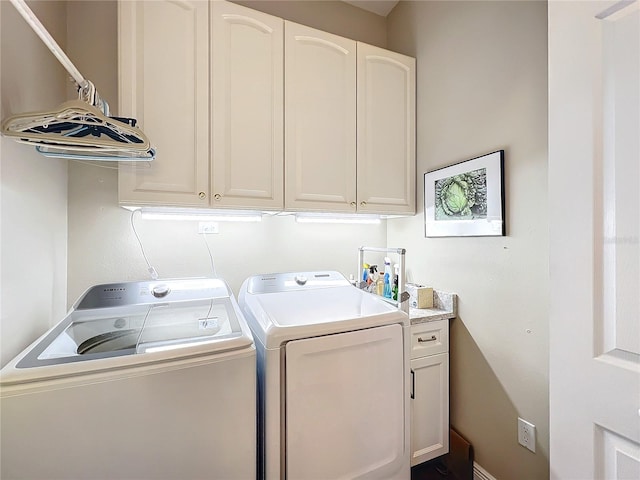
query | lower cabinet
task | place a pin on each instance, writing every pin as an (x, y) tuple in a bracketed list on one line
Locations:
[(429, 391)]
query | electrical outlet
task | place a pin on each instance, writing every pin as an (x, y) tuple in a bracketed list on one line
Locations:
[(527, 434), (208, 227)]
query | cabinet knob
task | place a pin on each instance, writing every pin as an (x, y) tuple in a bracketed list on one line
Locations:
[(353, 204), (363, 204), (202, 195), (217, 196)]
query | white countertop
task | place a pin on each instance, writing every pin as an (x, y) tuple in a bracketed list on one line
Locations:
[(445, 306)]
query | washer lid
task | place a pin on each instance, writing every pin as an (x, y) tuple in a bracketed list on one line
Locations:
[(301, 313), (119, 337)]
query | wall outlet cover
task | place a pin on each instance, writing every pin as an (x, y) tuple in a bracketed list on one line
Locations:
[(208, 227), (527, 434)]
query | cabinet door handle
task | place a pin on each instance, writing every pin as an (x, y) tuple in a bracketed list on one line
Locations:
[(423, 340), (363, 204), (353, 204), (217, 196), (202, 195), (413, 384)]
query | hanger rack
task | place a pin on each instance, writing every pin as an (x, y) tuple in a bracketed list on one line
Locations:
[(80, 129)]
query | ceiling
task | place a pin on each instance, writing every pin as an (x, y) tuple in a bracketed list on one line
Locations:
[(380, 7)]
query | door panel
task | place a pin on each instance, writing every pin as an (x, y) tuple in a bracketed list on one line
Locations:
[(594, 119), (386, 166), (247, 107), (320, 120), (619, 285), (430, 408), (345, 400), (163, 47)]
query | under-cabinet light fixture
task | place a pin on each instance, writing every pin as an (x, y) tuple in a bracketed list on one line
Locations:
[(337, 218), (201, 215)]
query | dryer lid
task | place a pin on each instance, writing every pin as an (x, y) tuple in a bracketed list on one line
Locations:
[(294, 282), (324, 306), (284, 311)]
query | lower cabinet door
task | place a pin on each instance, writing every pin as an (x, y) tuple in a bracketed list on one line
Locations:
[(429, 407)]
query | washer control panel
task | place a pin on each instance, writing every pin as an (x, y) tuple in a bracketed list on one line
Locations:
[(141, 293)]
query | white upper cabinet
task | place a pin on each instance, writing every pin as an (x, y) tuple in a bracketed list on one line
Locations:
[(250, 111), (164, 71), (226, 156), (350, 125), (246, 108), (386, 158), (320, 116)]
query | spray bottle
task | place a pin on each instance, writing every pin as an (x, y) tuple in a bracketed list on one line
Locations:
[(387, 277), (373, 274), (394, 289)]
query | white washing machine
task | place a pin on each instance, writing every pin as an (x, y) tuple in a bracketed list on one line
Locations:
[(143, 380), (333, 378)]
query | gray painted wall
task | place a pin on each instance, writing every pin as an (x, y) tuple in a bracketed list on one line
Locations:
[(482, 87), (33, 196), (331, 16)]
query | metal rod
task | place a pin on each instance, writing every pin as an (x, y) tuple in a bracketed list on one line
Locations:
[(359, 271), (49, 41), (399, 251)]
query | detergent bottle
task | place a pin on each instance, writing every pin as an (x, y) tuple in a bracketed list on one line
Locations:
[(380, 285)]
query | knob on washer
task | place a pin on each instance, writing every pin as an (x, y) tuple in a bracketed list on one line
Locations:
[(160, 291)]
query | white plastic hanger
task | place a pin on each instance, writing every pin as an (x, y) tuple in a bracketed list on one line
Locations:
[(78, 129), (76, 125)]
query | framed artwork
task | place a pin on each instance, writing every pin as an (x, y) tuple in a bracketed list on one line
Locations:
[(466, 199)]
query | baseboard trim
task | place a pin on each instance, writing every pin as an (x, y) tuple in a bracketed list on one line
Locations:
[(480, 473)]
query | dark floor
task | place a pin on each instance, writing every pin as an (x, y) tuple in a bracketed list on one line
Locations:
[(433, 470)]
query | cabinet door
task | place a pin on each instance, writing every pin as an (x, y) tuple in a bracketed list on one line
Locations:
[(386, 167), (429, 408), (164, 84), (320, 123), (246, 108)]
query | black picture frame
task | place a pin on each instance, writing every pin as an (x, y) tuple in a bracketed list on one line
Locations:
[(466, 199)]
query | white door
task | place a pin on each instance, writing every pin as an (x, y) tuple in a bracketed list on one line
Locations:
[(386, 159), (247, 128), (594, 202), (320, 120), (345, 406), (164, 84)]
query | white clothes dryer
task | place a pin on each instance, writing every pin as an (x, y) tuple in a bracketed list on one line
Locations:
[(142, 380), (333, 378)]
